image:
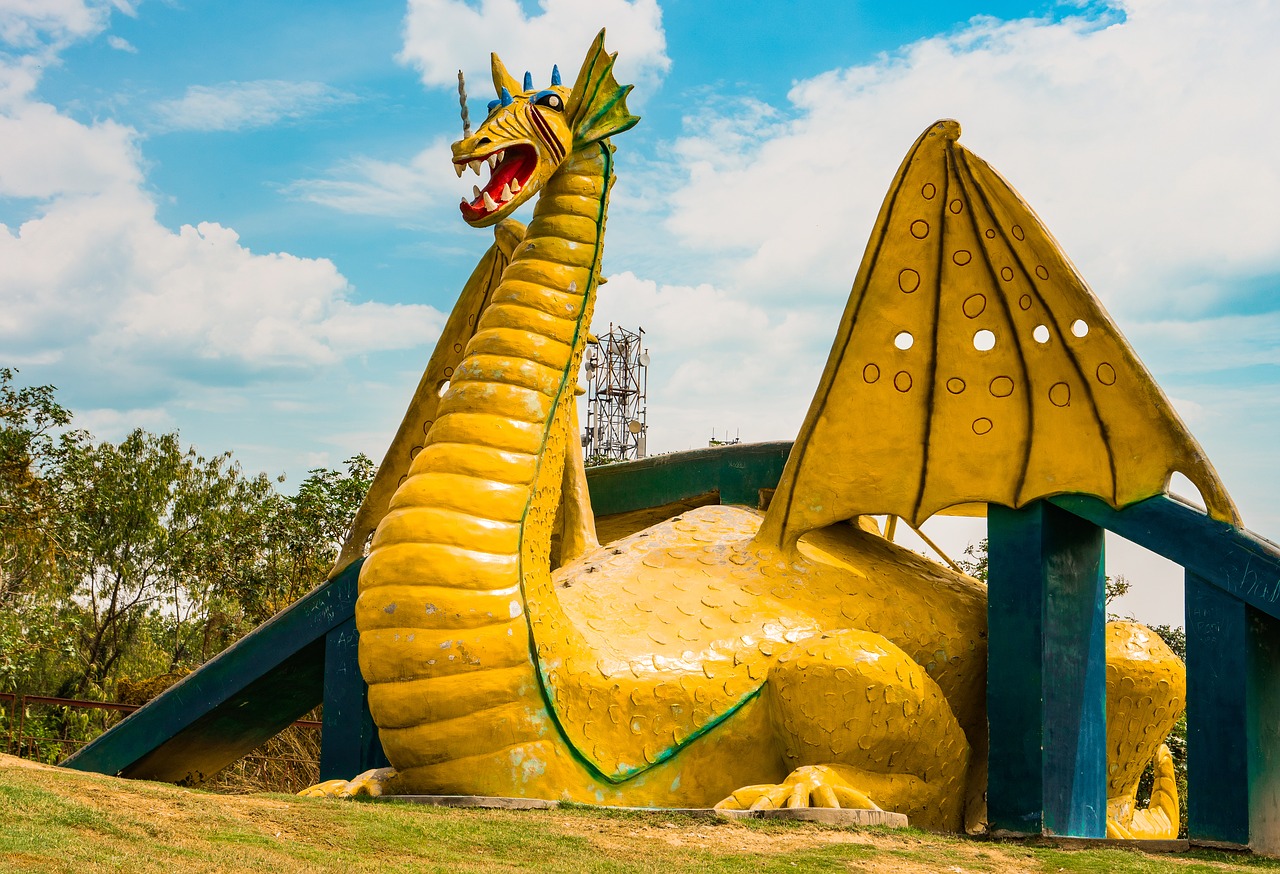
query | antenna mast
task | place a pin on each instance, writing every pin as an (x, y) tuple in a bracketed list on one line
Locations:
[(617, 369)]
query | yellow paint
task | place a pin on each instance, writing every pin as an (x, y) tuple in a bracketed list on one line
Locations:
[(1058, 404), (722, 657), (1146, 693)]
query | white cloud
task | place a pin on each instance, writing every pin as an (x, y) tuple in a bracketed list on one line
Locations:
[(27, 23), (717, 361), (444, 36), (120, 422), (367, 186), (121, 44), (233, 106), (1141, 142), (97, 278), (35, 31), (93, 284), (44, 154)]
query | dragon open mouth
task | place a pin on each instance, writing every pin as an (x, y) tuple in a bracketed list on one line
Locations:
[(510, 169)]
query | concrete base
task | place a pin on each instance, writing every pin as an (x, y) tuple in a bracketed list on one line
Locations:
[(1180, 845), (487, 802), (696, 812), (824, 815)]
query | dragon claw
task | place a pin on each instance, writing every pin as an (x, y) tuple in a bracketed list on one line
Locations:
[(810, 786), (371, 783)]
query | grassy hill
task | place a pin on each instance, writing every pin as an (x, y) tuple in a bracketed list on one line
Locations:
[(58, 820)]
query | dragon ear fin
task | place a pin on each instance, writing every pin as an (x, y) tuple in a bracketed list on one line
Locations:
[(597, 106), (974, 365), (501, 78)]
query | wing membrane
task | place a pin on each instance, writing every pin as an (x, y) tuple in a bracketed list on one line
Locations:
[(973, 364)]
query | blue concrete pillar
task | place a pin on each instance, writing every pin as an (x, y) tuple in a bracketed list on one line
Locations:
[(1046, 673), (349, 742), (1233, 719)]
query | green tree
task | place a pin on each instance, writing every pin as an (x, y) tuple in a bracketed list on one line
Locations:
[(140, 560), (151, 529), (297, 540), (29, 537), (33, 634)]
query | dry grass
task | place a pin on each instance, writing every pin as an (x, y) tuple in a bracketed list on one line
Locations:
[(57, 820), (288, 763)]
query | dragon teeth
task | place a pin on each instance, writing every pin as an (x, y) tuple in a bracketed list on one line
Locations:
[(475, 167), (493, 161), (488, 202), (506, 193), (475, 192), (515, 186), (458, 168), (501, 153)]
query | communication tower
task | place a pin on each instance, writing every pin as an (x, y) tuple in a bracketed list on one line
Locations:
[(617, 384)]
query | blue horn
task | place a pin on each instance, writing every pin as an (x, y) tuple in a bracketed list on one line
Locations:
[(555, 74), (528, 81), (505, 96)]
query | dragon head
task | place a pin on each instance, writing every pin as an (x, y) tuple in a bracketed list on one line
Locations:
[(529, 132)]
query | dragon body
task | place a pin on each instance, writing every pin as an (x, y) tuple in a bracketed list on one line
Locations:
[(723, 656)]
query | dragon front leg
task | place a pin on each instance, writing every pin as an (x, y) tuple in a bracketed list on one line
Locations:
[(1158, 820), (862, 726)]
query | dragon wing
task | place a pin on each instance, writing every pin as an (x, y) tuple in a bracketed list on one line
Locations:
[(974, 365), (408, 441)]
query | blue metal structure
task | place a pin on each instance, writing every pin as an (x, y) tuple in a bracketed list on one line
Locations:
[(1046, 617)]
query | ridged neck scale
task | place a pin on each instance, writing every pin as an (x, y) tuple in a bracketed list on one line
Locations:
[(463, 553)]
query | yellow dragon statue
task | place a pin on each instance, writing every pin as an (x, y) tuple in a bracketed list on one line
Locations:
[(728, 657)]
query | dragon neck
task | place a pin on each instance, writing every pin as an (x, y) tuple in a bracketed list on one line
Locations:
[(555, 270), (514, 389), (458, 575), (560, 253)]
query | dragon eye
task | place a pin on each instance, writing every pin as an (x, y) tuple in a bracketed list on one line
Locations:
[(549, 99)]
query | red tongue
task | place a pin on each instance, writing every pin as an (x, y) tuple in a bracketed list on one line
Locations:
[(511, 168), (503, 174)]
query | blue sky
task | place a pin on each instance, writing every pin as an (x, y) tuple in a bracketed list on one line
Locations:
[(237, 219)]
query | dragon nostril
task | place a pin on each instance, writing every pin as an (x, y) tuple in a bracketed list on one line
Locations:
[(483, 141)]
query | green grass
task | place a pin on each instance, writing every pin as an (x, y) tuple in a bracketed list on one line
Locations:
[(63, 821)]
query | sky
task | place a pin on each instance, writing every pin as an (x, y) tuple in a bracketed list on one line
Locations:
[(238, 220)]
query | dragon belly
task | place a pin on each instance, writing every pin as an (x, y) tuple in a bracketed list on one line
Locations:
[(679, 626), (443, 641)]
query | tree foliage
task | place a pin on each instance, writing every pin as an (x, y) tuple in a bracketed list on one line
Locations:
[(140, 558), (28, 517)]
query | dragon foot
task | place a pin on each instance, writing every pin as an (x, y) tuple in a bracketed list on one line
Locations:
[(810, 786), (1159, 819), (371, 783)]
